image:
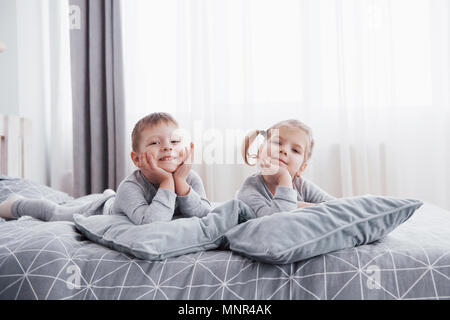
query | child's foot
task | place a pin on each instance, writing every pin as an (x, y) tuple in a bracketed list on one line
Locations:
[(109, 192), (5, 206)]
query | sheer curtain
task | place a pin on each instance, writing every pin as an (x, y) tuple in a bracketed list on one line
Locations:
[(370, 77), (44, 88)]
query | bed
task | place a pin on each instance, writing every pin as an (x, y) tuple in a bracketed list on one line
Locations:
[(52, 260)]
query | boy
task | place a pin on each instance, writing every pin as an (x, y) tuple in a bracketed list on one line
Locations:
[(163, 185), (164, 181)]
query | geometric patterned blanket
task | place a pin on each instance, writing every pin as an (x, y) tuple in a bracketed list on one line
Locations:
[(52, 260)]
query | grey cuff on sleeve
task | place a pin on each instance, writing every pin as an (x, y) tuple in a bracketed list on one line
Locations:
[(193, 204), (15, 209), (191, 199), (166, 198), (288, 197)]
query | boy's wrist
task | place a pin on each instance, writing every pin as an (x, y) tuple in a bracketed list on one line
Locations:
[(182, 188), (168, 184)]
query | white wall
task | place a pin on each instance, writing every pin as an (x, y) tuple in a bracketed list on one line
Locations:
[(31, 87), (22, 72), (8, 58)]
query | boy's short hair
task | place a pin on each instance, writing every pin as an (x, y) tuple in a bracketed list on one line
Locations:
[(148, 121)]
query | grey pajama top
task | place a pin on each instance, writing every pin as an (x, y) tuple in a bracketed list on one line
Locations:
[(145, 203), (255, 193)]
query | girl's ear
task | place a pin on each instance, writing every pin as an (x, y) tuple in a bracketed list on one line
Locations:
[(302, 168)]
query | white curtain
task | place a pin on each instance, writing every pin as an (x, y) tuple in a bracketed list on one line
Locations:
[(44, 88), (371, 77)]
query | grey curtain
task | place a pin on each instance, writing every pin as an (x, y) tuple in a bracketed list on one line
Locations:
[(98, 95)]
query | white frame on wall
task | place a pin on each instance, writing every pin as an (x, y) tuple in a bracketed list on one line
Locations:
[(15, 146)]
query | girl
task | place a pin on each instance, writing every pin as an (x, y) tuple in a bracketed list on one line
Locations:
[(282, 158)]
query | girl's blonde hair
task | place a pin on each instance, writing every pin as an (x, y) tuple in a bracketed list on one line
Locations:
[(252, 135)]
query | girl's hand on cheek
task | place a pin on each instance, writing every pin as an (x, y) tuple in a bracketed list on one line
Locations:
[(267, 168), (280, 173)]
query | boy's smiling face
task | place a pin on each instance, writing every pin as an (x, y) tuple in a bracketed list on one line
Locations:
[(162, 141)]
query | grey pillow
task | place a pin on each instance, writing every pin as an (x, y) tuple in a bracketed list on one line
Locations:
[(30, 189), (287, 237), (161, 240)]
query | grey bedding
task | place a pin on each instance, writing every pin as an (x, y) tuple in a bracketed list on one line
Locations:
[(51, 260)]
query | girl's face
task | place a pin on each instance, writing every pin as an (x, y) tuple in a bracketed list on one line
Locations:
[(286, 148), (164, 143)]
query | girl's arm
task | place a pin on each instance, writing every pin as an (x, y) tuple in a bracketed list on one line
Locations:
[(301, 204), (313, 194), (284, 199)]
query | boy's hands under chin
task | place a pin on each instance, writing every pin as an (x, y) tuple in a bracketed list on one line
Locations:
[(279, 173), (179, 176), (155, 174)]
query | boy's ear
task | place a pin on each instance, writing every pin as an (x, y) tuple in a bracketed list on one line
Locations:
[(135, 158)]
